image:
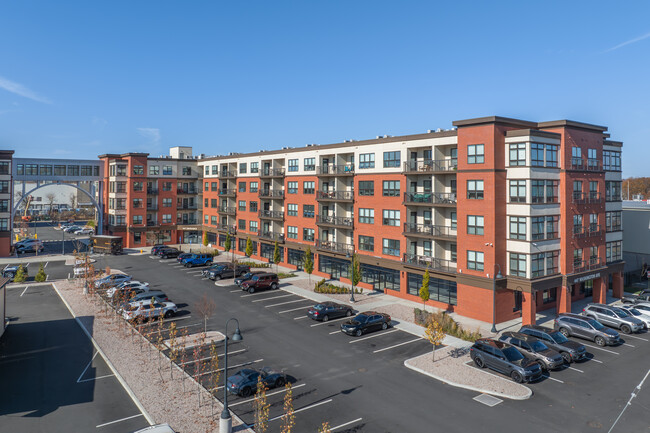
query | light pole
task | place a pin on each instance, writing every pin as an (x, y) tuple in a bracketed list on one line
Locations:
[(351, 276), (225, 425), (494, 297)]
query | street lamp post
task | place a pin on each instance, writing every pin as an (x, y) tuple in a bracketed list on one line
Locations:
[(494, 297), (225, 425)]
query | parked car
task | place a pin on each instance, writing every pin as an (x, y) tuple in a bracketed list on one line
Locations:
[(28, 246), (531, 347), (613, 317), (644, 296), (83, 270), (365, 322), (145, 310), (643, 307), (505, 359), (72, 228), (585, 327), (157, 295), (112, 280), (570, 350), (261, 282), (197, 260), (244, 382), (129, 286), (328, 310), (84, 231), (182, 257), (10, 271), (247, 276), (156, 247), (227, 271), (642, 315), (168, 253)]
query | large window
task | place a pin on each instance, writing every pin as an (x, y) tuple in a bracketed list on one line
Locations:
[(366, 243), (309, 164), (242, 187), (167, 170), (475, 189), (551, 155), (137, 219), (537, 226), (613, 221), (241, 224), (242, 168), (292, 209), (308, 187), (46, 170), (297, 257), (293, 164), (292, 187), (537, 155), (367, 187), (367, 160), (475, 260), (252, 226), (241, 205), (254, 186), (252, 206), (475, 224), (337, 268), (611, 160), (255, 167), (308, 210), (517, 154), (391, 217), (166, 218), (517, 191), (292, 232), (380, 278), (391, 159), (613, 251), (518, 265), (367, 216), (308, 235), (475, 154), (391, 188), (518, 228), (390, 247), (612, 190), (537, 191), (439, 290)]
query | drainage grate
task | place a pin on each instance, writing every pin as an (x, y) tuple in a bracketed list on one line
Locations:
[(487, 400)]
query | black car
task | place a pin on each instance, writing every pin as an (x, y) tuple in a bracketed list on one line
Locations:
[(227, 271), (365, 322), (571, 351), (504, 358), (244, 382), (328, 310), (548, 359), (247, 276), (168, 253), (157, 247)]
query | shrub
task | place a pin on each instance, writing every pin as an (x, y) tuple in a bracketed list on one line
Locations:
[(21, 275), (40, 275), (324, 287), (282, 275), (449, 325), (254, 264)]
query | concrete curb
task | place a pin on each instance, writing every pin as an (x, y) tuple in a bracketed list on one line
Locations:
[(469, 387)]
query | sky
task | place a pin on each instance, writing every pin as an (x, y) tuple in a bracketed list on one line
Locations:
[(79, 78)]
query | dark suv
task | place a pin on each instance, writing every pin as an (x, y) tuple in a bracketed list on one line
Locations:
[(585, 327), (247, 276), (548, 359), (570, 350), (261, 282), (504, 358), (226, 271)]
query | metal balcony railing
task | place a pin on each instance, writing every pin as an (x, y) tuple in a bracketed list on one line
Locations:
[(429, 262), (433, 198), (152, 190), (577, 163), (272, 172), (276, 237), (335, 195), (227, 191), (228, 210), (593, 165), (152, 206), (151, 223), (271, 193), (587, 265), (335, 247), (227, 228), (271, 214), (430, 166), (187, 206), (224, 174), (429, 230), (335, 221), (187, 191), (336, 170)]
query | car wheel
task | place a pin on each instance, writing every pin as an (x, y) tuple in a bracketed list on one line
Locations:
[(599, 341), (251, 290), (169, 314), (274, 286), (279, 382), (246, 391), (626, 329), (542, 366), (217, 277), (517, 377), (564, 332), (326, 318), (567, 357), (348, 313), (358, 333), (479, 362), (384, 326)]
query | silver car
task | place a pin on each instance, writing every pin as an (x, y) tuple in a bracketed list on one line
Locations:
[(641, 314), (613, 317), (145, 310), (585, 327)]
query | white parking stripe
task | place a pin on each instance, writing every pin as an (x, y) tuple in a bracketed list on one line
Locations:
[(301, 317), (284, 303), (293, 309), (638, 338), (46, 263), (595, 360), (571, 368), (346, 424), (194, 272), (85, 369), (233, 291), (21, 295), (549, 377), (356, 340), (96, 378), (220, 355), (329, 400), (274, 297), (338, 331), (397, 345), (600, 348), (267, 394), (257, 294), (330, 321), (119, 420), (625, 344)]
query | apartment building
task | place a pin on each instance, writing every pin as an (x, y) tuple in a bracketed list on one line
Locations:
[(152, 200), (6, 201), (531, 208)]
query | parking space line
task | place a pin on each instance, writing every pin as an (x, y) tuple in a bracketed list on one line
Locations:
[(275, 297), (346, 424), (267, 394), (179, 328), (626, 344), (284, 303), (548, 376), (234, 366), (356, 340), (195, 272), (46, 263), (293, 309), (329, 321), (600, 348), (638, 338), (329, 400), (301, 317), (595, 360), (397, 345), (571, 368), (119, 420), (220, 355), (96, 378), (338, 331), (21, 295), (234, 291), (257, 294), (85, 369)]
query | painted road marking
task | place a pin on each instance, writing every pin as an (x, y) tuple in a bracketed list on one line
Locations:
[(284, 303), (346, 424), (638, 338), (397, 345), (625, 344), (293, 309), (600, 348), (256, 294), (549, 377), (21, 295), (487, 400), (595, 360), (329, 321), (571, 368), (85, 369), (275, 297), (119, 420), (356, 340), (96, 378), (336, 332), (234, 291), (267, 394), (301, 317), (209, 357), (329, 400), (46, 263)]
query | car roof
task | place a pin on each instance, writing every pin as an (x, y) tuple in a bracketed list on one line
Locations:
[(521, 336), (537, 328), (266, 274), (573, 316), (494, 343)]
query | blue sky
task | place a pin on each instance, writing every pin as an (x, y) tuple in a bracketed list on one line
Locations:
[(80, 78)]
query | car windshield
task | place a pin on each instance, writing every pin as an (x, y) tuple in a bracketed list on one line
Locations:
[(255, 278), (512, 354), (620, 313), (361, 318), (558, 337), (538, 346), (597, 325), (319, 307), (634, 312)]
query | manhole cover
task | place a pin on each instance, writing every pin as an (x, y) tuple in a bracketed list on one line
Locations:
[(487, 400)]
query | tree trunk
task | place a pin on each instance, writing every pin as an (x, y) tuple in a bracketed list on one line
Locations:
[(433, 354)]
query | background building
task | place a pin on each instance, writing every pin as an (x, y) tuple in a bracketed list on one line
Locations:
[(6, 201), (636, 239)]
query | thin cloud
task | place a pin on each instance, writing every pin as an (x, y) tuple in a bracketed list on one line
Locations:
[(631, 41), (151, 134), (21, 90)]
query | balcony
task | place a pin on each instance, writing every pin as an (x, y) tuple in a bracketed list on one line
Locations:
[(587, 231), (591, 197), (186, 206), (229, 192), (271, 193), (325, 220), (587, 265), (275, 237), (152, 190), (225, 228), (227, 174), (594, 165), (430, 166), (429, 231), (272, 172), (187, 191), (152, 206), (227, 210), (152, 223), (430, 199), (189, 222), (427, 262), (336, 247), (271, 214), (344, 196), (335, 170)]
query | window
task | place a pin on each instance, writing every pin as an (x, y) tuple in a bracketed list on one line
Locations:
[(20, 169), (454, 221), (292, 187), (537, 191), (292, 209), (517, 191), (59, 170), (308, 187), (309, 164), (241, 205), (166, 186), (474, 225), (613, 251), (391, 218), (255, 167), (95, 170), (537, 226), (166, 218), (138, 186), (167, 202), (517, 154), (252, 206), (254, 186), (613, 221), (552, 262), (518, 228), (552, 187), (537, 155), (121, 186), (391, 188), (308, 235), (121, 170), (213, 220), (391, 159), (475, 189), (390, 247), (475, 154), (46, 170), (137, 219), (242, 187), (167, 170), (4, 205), (367, 216), (252, 226), (611, 160), (292, 231), (242, 167), (138, 169), (537, 265), (207, 172), (206, 202), (518, 265), (308, 210), (241, 224), (73, 170), (577, 224), (612, 190), (213, 203), (475, 260), (577, 257), (367, 160), (214, 186), (367, 187), (549, 296), (366, 243), (293, 165)]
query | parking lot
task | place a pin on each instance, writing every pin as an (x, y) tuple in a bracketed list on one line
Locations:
[(360, 384)]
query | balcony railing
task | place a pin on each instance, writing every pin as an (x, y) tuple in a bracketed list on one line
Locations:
[(591, 197), (335, 195), (336, 170), (430, 166), (432, 198), (429, 230), (152, 190), (577, 163), (585, 231), (228, 210), (271, 214), (271, 193), (276, 237), (430, 262), (227, 229), (272, 172), (151, 223), (593, 165), (224, 174), (187, 206), (336, 247), (187, 191), (335, 221), (152, 206), (587, 265), (227, 192)]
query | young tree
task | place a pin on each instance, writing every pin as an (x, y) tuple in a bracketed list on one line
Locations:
[(289, 418), (276, 256), (205, 239), (21, 275), (355, 270), (173, 351), (215, 374), (261, 408), (325, 428), (228, 243), (424, 289), (73, 201), (40, 275), (205, 308), (249, 247), (50, 201), (308, 263), (435, 335), (196, 355)]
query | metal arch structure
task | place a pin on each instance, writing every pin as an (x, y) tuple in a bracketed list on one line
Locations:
[(100, 216)]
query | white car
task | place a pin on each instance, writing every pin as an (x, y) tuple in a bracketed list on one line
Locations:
[(145, 310), (81, 270), (128, 286), (84, 231), (641, 314)]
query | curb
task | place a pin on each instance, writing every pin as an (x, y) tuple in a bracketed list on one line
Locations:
[(469, 387)]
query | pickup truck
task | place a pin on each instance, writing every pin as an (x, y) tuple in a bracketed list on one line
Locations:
[(197, 260)]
